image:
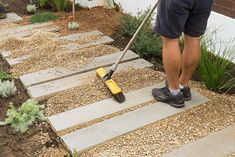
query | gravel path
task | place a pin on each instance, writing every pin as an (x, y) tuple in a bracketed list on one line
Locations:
[(175, 131), (96, 90), (168, 134)]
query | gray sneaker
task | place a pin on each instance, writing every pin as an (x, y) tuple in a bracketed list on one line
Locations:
[(186, 92), (164, 95)]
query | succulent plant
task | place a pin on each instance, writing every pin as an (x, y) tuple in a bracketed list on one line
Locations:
[(31, 8), (73, 25), (7, 88)]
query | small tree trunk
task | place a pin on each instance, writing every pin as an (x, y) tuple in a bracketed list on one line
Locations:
[(73, 9)]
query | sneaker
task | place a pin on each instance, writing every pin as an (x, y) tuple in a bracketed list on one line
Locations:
[(164, 95), (186, 92)]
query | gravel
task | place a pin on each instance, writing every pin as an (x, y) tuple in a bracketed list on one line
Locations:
[(45, 52), (39, 42), (51, 152), (95, 90), (56, 58), (7, 25)]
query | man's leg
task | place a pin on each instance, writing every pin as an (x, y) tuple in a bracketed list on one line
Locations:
[(191, 57), (172, 61)]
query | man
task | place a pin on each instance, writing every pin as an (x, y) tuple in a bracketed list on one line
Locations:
[(174, 18)]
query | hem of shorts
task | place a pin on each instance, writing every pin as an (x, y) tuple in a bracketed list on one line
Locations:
[(194, 35), (166, 35)]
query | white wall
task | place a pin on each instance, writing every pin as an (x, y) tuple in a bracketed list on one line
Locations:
[(90, 3), (134, 6)]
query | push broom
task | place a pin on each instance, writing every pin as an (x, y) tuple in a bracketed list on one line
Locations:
[(106, 77)]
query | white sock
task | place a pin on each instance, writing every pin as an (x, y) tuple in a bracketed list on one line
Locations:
[(181, 86), (174, 91)]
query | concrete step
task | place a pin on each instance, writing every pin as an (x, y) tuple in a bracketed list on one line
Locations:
[(11, 31), (22, 34), (77, 36), (102, 40), (86, 138), (218, 144), (61, 124), (4, 54), (48, 89), (57, 73), (11, 17), (15, 61)]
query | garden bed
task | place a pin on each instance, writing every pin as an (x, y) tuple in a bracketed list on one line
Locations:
[(38, 136)]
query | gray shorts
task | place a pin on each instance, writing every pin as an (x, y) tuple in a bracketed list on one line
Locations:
[(182, 16)]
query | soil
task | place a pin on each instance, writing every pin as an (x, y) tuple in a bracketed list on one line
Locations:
[(104, 20), (17, 6)]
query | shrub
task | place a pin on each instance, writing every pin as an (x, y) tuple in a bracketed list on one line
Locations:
[(129, 24), (148, 45), (215, 67), (4, 75), (42, 17), (7, 88), (59, 5), (25, 116), (44, 3)]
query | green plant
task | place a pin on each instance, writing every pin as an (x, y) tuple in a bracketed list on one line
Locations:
[(148, 45), (215, 67), (42, 17), (74, 154), (73, 25), (129, 24), (7, 88), (4, 75), (61, 5), (31, 8), (45, 3), (21, 119)]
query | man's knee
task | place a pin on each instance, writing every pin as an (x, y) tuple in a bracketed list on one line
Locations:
[(192, 40), (169, 40)]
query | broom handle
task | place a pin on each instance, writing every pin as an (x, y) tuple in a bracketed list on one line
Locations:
[(114, 67)]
